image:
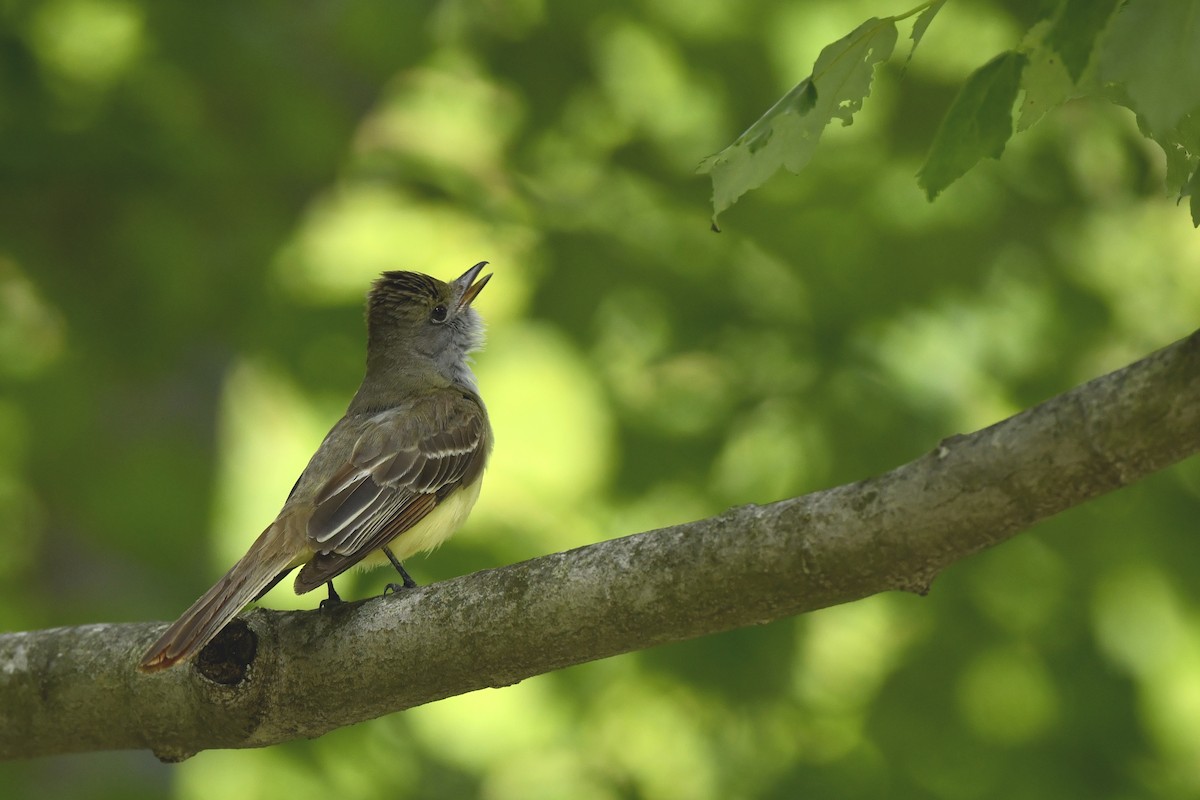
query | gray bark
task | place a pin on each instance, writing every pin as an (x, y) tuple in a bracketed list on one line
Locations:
[(275, 676)]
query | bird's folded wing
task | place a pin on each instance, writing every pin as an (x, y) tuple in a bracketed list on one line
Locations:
[(405, 462)]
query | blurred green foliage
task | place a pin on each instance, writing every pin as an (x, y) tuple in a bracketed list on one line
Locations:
[(1142, 55), (195, 197)]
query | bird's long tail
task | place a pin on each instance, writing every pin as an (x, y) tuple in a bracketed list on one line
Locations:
[(271, 556)]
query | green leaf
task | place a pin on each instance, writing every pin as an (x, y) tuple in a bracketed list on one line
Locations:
[(843, 72), (788, 134), (1194, 203), (978, 124), (1181, 144), (1152, 53), (1045, 81), (921, 24), (1182, 147), (1074, 31)]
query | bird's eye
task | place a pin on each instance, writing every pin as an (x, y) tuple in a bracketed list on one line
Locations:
[(439, 314)]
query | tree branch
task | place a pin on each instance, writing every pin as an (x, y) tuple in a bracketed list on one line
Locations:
[(276, 676)]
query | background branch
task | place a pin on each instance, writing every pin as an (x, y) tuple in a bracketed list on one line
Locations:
[(286, 675)]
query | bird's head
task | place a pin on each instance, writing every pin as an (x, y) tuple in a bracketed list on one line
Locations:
[(417, 323)]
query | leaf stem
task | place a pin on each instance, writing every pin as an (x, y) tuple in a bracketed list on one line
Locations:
[(914, 11)]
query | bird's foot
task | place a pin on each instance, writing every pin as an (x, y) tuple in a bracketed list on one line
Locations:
[(409, 583), (334, 598)]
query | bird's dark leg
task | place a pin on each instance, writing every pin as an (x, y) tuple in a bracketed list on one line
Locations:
[(333, 599), (409, 583)]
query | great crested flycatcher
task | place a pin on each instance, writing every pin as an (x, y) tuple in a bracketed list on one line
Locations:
[(396, 475)]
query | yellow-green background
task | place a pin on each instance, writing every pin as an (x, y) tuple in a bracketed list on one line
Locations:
[(195, 196)]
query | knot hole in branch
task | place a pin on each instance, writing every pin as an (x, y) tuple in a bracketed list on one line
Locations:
[(227, 658)]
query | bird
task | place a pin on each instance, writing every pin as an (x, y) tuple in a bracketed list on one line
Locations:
[(396, 475)]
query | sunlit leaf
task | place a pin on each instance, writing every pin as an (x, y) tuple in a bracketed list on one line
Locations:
[(843, 72), (978, 124), (788, 134)]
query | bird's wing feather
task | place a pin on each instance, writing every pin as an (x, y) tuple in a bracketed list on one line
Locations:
[(406, 461)]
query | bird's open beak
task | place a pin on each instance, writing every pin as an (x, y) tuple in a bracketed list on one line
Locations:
[(468, 289)]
